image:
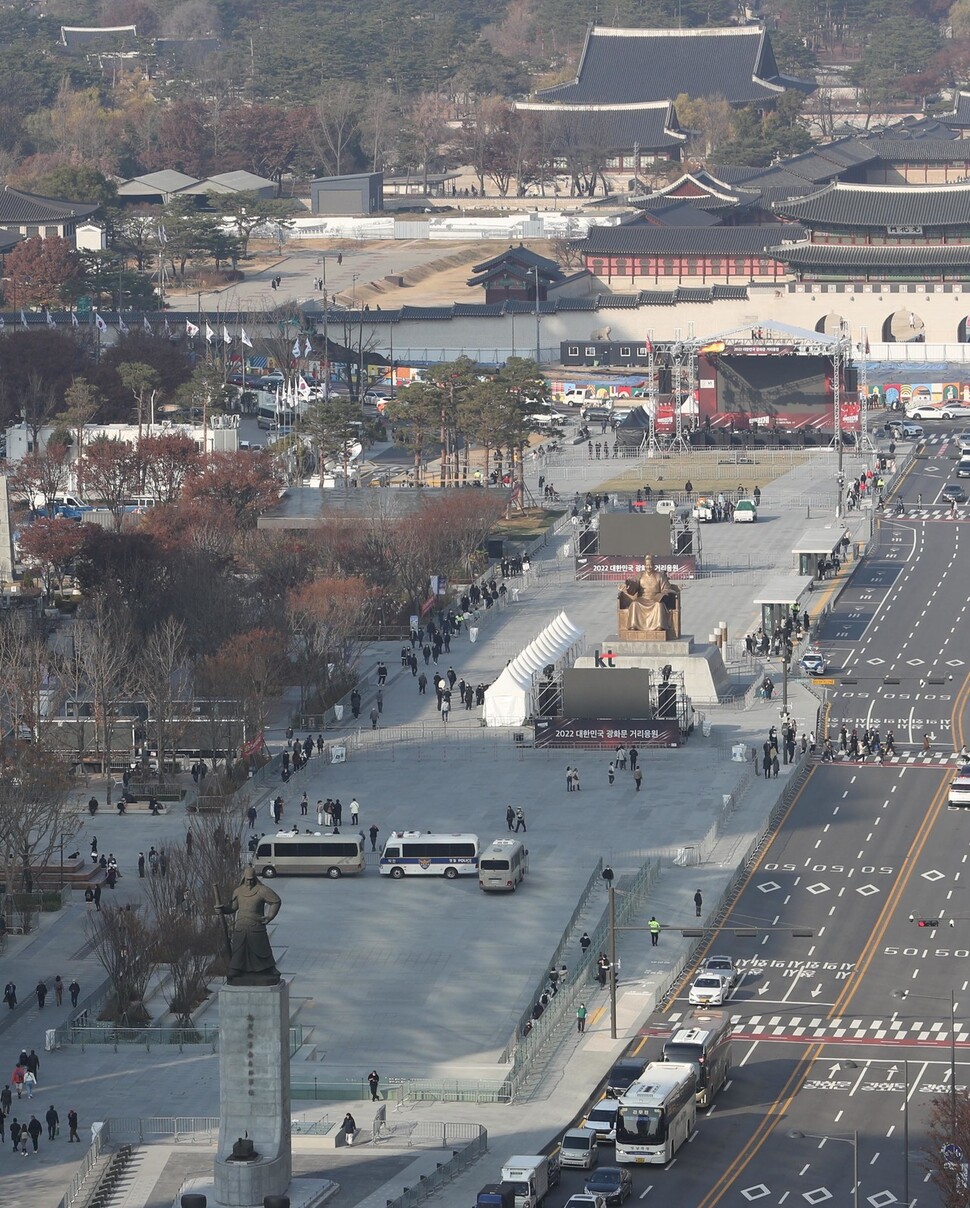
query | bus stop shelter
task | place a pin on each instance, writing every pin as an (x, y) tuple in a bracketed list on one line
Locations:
[(777, 597), (817, 543)]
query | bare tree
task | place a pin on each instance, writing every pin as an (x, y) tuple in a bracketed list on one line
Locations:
[(103, 640), (126, 944), (35, 822), (335, 122), (159, 674)]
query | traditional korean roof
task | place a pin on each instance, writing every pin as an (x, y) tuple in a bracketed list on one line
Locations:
[(873, 256), (921, 150), (959, 115), (93, 39), (850, 205), (519, 263), (650, 125), (620, 66), (705, 189), (916, 128), (566, 305), (30, 209), (670, 212), (685, 241)]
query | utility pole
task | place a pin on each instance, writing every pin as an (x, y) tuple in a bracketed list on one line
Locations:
[(538, 345), (612, 931)]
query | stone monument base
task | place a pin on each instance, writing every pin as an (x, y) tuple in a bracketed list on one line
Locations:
[(705, 676), (303, 1193), (254, 1093)]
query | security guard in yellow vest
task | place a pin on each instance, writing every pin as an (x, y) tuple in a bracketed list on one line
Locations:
[(654, 931)]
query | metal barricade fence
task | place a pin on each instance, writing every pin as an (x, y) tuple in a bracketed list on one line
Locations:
[(460, 1161), (557, 957), (549, 1027)]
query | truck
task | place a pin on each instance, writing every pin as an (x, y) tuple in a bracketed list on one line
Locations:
[(531, 1177), (496, 1195)]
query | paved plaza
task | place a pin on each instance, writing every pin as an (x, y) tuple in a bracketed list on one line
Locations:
[(426, 978)]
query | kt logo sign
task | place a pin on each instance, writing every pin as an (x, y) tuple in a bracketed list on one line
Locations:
[(604, 660)]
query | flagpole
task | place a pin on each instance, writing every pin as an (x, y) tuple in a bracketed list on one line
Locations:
[(326, 338)]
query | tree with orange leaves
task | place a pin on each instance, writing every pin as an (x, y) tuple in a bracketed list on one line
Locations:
[(244, 483)]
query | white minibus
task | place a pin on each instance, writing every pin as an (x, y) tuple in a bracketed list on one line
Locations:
[(502, 865), (290, 854)]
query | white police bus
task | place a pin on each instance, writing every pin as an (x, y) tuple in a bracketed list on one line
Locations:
[(656, 1114), (421, 853)]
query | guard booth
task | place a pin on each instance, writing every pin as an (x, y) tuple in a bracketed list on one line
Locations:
[(777, 597), (818, 543)]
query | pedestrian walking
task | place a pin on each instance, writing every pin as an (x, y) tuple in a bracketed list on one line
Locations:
[(380, 700), (584, 942), (608, 874), (304, 805), (252, 815), (581, 1018), (34, 1129), (349, 1128), (374, 715), (373, 830), (141, 863), (638, 778), (654, 928), (510, 818), (41, 991), (6, 1098), (611, 774), (320, 813), (520, 820), (74, 990), (17, 1080), (10, 995), (30, 1081), (53, 1120), (58, 991), (32, 1063), (422, 684), (15, 1131), (374, 1081), (634, 758), (698, 903), (926, 744), (445, 710), (72, 1126), (569, 779), (576, 786), (775, 766)]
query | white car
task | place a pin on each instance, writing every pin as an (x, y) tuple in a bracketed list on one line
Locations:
[(373, 397), (745, 511), (709, 990), (962, 441), (602, 1120), (814, 662), (723, 965), (586, 1199)]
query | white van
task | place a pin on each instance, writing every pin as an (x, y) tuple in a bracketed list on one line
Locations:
[(960, 789), (502, 865), (313, 855)]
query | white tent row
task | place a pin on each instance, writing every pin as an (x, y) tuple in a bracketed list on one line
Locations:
[(511, 699)]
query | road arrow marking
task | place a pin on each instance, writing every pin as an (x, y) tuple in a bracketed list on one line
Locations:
[(763, 989), (817, 991)]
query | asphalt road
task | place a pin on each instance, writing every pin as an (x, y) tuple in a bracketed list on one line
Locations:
[(823, 1044)]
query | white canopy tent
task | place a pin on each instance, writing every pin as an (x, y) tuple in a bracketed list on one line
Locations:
[(511, 699)]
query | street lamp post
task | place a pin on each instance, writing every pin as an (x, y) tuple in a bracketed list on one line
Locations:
[(796, 1135), (904, 994)]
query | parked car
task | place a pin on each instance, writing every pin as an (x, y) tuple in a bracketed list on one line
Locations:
[(745, 511)]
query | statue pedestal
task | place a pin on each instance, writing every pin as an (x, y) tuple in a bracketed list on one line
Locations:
[(705, 676), (254, 1093)]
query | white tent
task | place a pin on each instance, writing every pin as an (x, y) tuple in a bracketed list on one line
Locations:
[(511, 699)]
